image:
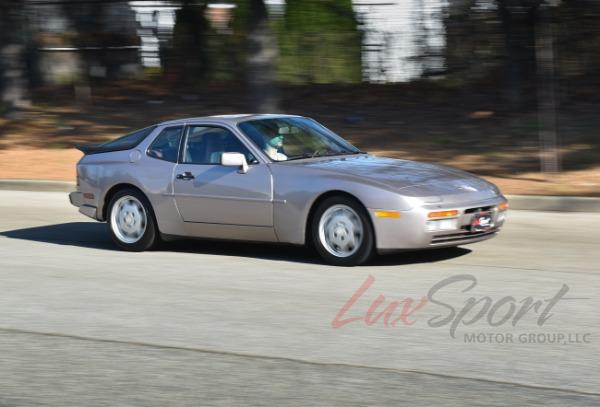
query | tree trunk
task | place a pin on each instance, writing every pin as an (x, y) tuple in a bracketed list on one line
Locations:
[(13, 68), (519, 24), (188, 61), (459, 37), (86, 20), (262, 56)]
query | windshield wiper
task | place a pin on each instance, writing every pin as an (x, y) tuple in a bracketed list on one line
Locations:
[(331, 153), (327, 154), (299, 157)]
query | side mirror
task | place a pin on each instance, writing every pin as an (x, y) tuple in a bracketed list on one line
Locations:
[(235, 160)]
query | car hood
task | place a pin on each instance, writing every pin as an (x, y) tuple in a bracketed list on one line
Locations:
[(410, 178)]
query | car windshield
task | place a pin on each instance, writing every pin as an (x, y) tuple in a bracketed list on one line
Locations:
[(293, 138)]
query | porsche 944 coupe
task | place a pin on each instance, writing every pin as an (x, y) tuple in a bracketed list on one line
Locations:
[(282, 179)]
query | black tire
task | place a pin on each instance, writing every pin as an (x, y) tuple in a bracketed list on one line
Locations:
[(365, 248), (150, 235)]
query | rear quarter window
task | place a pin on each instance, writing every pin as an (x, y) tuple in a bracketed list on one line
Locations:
[(166, 145), (128, 141)]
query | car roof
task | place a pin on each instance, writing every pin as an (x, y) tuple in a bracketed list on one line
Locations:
[(227, 118)]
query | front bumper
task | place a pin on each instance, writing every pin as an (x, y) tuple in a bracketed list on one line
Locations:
[(76, 198), (409, 231)]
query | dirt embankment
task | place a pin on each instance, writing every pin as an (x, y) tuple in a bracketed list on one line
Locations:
[(471, 133)]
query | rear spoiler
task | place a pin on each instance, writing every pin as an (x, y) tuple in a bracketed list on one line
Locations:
[(89, 149)]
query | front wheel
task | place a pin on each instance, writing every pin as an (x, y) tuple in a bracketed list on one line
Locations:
[(341, 232), (131, 221)]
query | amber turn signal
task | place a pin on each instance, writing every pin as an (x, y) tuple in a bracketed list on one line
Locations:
[(387, 214), (443, 214), (503, 206)]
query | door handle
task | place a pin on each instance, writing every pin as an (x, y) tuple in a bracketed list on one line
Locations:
[(186, 176)]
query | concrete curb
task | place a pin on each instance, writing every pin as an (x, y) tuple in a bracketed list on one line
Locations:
[(36, 185), (518, 202), (554, 203)]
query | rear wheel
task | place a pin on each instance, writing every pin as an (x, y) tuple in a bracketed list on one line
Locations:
[(341, 232), (131, 221)]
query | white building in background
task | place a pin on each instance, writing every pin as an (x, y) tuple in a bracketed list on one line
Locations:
[(402, 39), (156, 19)]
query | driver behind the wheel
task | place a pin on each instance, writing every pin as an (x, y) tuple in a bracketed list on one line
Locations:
[(274, 145)]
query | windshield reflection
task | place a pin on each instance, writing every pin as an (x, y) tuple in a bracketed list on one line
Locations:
[(293, 138)]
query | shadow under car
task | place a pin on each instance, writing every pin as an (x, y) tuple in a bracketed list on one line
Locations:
[(95, 235)]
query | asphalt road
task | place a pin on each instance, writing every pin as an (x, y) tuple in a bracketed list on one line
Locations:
[(209, 324)]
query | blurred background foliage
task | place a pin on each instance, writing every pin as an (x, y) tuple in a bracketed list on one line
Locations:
[(458, 43), (319, 42), (487, 85)]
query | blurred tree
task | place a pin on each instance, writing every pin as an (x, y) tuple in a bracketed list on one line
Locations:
[(578, 42), (225, 44), (236, 43), (86, 23), (262, 53), (13, 76), (320, 42), (519, 18), (187, 62), (459, 31)]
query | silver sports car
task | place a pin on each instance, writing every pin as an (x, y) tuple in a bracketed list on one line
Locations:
[(278, 178)]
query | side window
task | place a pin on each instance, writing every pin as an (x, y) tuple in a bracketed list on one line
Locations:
[(166, 145), (204, 145)]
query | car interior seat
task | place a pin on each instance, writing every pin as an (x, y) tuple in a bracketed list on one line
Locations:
[(214, 147)]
